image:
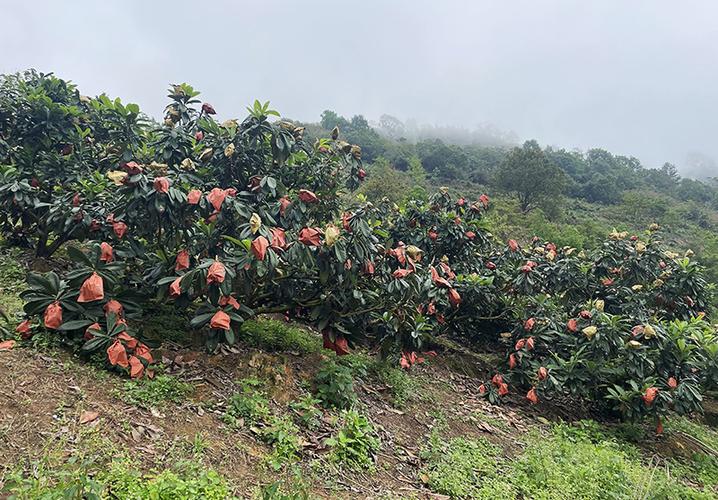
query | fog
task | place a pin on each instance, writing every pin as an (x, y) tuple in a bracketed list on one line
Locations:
[(635, 77)]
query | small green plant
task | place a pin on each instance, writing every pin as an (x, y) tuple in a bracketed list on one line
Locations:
[(355, 443), (283, 436), (152, 392), (308, 415), (123, 482), (250, 405), (294, 489), (334, 383), (274, 335)]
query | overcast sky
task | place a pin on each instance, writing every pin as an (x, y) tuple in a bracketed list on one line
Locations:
[(635, 77)]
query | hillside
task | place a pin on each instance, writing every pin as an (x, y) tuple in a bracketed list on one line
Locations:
[(201, 309), (71, 429)]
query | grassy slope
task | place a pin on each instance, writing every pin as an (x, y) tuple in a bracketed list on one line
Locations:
[(171, 434)]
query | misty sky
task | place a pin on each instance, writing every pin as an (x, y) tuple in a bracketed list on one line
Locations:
[(635, 77)]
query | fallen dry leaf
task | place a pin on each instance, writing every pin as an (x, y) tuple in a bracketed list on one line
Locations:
[(88, 416), (7, 345)]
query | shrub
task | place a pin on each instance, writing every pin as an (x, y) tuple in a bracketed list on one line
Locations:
[(228, 221)]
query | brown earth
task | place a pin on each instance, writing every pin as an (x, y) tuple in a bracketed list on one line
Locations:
[(44, 398)]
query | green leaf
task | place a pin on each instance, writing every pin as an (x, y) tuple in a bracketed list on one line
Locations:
[(75, 325)]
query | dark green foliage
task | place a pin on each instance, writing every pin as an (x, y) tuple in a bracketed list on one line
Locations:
[(274, 335), (334, 384), (530, 174)]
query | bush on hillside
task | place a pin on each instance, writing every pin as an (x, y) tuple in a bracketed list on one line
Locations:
[(230, 220)]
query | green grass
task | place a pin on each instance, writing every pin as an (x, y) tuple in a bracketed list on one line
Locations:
[(570, 462), (564, 467), (12, 281), (274, 335), (154, 392), (401, 385), (702, 432), (122, 480), (465, 468), (699, 468)]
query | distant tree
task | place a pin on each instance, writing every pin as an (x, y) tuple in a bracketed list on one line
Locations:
[(529, 173), (643, 206), (329, 120), (392, 127), (670, 170), (691, 189), (358, 122), (608, 176), (399, 153), (446, 161), (385, 182)]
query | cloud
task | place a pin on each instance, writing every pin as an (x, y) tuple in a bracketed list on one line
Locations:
[(637, 78)]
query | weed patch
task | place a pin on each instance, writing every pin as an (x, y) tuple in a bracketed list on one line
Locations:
[(573, 461), (153, 392), (334, 385), (400, 384), (355, 443), (249, 406), (465, 468)]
